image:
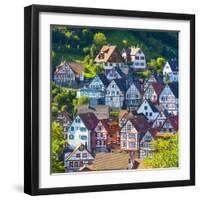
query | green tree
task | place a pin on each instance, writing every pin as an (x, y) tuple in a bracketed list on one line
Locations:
[(62, 99), (157, 65), (99, 39), (143, 74), (99, 68), (54, 109), (165, 152), (125, 43), (58, 143), (160, 61), (90, 71)]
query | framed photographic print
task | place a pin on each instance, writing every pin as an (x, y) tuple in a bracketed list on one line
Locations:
[(109, 100)]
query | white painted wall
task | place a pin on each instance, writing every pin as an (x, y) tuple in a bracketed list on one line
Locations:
[(167, 69), (77, 133), (11, 182), (140, 63), (147, 111)]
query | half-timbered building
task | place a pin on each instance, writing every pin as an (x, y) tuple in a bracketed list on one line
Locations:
[(77, 158), (80, 130), (149, 110), (132, 132), (115, 93), (110, 57), (170, 71), (95, 90), (170, 125), (146, 149), (68, 73), (169, 98), (134, 57), (134, 96), (153, 91)]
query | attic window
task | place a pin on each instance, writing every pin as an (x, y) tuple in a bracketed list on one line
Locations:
[(101, 56)]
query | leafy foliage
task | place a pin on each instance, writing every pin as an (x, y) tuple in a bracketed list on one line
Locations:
[(166, 152), (90, 71), (73, 44), (99, 39), (156, 65), (80, 101), (57, 148), (62, 99), (143, 74), (114, 115)]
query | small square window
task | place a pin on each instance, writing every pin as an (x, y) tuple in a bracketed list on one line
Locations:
[(84, 155), (71, 137), (70, 164), (78, 155)]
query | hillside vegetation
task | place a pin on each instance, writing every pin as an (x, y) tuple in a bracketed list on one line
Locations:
[(75, 44)]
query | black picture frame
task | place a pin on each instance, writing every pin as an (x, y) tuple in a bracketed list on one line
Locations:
[(31, 98)]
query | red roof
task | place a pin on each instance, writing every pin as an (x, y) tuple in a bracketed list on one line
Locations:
[(89, 119), (154, 131), (174, 122), (140, 123), (77, 68), (111, 127), (158, 87)]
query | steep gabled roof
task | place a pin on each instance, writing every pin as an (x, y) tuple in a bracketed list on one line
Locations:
[(77, 68), (103, 79), (153, 107), (174, 121), (139, 87), (118, 69), (130, 53), (89, 119), (174, 88), (122, 113), (152, 131), (158, 87), (80, 147), (134, 51), (152, 77), (65, 114), (121, 83), (140, 123), (105, 124), (106, 52)]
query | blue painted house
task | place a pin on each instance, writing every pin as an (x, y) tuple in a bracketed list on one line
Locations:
[(115, 93), (95, 90)]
